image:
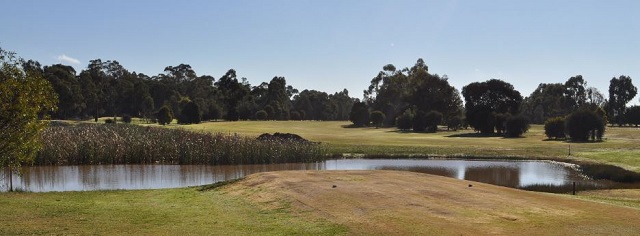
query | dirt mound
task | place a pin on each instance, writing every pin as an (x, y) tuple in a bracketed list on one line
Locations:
[(283, 137)]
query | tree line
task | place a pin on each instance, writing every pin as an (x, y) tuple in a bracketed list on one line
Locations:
[(106, 88), (413, 98)]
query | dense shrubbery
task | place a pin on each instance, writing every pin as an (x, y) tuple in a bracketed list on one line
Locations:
[(554, 128), (165, 115), (261, 115), (433, 119), (130, 144), (583, 125), (126, 119), (403, 122), (515, 126), (377, 117)]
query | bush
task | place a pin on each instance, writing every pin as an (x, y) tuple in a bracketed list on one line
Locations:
[(420, 121), (583, 125), (261, 115), (190, 114), (109, 121), (377, 117), (633, 115), (359, 114), (433, 119), (403, 122), (515, 126), (554, 128), (294, 115), (501, 121), (126, 119), (454, 123), (165, 116)]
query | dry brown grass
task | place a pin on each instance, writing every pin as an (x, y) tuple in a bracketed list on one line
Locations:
[(405, 203)]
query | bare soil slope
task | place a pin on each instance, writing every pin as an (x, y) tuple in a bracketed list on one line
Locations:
[(405, 203)]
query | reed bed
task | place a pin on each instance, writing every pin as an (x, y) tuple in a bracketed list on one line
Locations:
[(84, 144)]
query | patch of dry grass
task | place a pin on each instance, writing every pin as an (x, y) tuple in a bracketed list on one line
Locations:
[(404, 203)]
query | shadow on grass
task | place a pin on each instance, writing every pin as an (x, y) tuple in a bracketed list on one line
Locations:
[(474, 135), (216, 185)]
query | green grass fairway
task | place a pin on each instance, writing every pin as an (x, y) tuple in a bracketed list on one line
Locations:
[(621, 146), (183, 211)]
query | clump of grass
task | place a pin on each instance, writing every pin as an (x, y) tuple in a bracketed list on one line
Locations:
[(130, 144)]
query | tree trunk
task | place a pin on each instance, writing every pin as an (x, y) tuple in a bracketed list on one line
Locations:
[(10, 179)]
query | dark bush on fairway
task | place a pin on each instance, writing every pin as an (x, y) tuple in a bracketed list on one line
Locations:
[(294, 115), (131, 144), (377, 117), (515, 126), (554, 128), (584, 125), (454, 123), (165, 115), (433, 119), (403, 122), (261, 115), (420, 121), (126, 119)]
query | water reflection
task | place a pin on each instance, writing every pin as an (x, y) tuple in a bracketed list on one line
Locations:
[(517, 174)]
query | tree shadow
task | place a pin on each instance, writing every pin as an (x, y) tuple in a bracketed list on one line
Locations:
[(475, 135)]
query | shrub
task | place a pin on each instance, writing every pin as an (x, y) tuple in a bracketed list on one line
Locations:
[(190, 114), (294, 115), (403, 122), (501, 120), (261, 115), (515, 126), (420, 121), (432, 120), (359, 114), (377, 117), (454, 123), (126, 119), (165, 116), (554, 128), (584, 124), (109, 121), (633, 115)]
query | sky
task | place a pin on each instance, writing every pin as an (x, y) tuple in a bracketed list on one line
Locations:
[(330, 45)]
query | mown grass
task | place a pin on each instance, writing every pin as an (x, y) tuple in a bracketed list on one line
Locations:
[(619, 148), (133, 144), (184, 211)]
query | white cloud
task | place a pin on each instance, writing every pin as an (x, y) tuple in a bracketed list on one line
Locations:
[(67, 60)]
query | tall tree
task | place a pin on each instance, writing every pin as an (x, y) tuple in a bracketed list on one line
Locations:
[(484, 98), (25, 97), (575, 93), (621, 91), (66, 85)]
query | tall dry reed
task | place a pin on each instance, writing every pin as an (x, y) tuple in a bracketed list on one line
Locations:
[(131, 144)]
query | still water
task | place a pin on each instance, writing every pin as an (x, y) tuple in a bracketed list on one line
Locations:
[(515, 174)]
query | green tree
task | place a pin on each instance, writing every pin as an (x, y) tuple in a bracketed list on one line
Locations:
[(633, 115), (377, 118), (404, 121), (261, 115), (454, 123), (26, 98), (583, 125), (483, 99), (554, 128), (433, 119), (621, 91), (359, 114), (190, 114), (419, 122), (165, 115), (515, 126)]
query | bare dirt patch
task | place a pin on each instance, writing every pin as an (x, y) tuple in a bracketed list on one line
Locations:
[(396, 202)]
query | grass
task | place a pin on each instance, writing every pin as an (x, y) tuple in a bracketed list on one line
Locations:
[(185, 211), (619, 148)]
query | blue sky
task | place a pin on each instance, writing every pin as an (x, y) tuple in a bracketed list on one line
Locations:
[(329, 45)]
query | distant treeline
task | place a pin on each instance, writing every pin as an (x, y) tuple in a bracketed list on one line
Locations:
[(106, 88)]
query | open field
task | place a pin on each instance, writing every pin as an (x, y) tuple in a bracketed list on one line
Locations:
[(305, 202), (620, 148)]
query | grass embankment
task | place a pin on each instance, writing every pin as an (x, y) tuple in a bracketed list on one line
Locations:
[(184, 211), (620, 147), (305, 202)]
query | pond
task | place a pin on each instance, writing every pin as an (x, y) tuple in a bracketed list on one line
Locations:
[(533, 175)]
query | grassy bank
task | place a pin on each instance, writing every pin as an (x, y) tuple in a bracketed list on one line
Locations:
[(184, 211), (620, 147)]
